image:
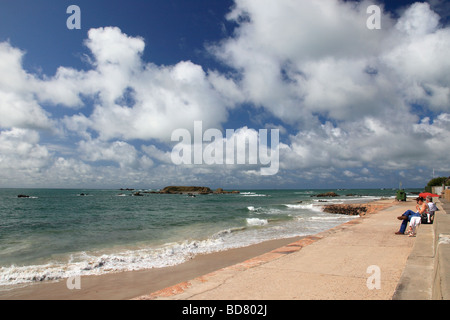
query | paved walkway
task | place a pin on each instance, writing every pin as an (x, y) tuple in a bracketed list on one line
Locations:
[(341, 263)]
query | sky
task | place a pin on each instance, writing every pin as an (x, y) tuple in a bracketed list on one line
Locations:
[(356, 105)]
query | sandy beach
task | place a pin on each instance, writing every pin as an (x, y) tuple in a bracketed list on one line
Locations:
[(330, 265)]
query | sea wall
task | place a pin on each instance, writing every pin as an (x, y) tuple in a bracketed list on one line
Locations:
[(447, 194), (427, 272), (441, 270)]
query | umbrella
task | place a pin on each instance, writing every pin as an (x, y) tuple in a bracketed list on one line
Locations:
[(426, 194)]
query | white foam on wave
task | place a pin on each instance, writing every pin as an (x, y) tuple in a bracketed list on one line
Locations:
[(227, 232), (265, 210), (257, 222), (311, 206), (252, 194), (94, 263), (83, 264)]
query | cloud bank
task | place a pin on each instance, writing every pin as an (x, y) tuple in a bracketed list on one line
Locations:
[(356, 106)]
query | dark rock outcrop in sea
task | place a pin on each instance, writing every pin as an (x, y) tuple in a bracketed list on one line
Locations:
[(355, 209), (192, 190), (327, 194), (221, 191), (350, 210), (185, 190)]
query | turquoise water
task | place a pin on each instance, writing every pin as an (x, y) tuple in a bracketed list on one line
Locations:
[(56, 234)]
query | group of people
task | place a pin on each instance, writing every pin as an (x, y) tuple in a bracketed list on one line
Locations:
[(425, 209)]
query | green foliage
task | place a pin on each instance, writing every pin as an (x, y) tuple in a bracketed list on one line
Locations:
[(439, 181)]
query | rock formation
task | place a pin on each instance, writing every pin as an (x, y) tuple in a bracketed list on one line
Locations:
[(185, 190), (355, 209), (327, 194), (350, 210)]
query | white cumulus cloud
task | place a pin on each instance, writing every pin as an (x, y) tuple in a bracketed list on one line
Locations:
[(352, 103)]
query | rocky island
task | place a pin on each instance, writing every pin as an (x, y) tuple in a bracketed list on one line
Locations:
[(327, 194), (188, 191), (193, 190), (185, 190)]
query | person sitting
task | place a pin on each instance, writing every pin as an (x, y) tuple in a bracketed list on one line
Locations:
[(421, 207)]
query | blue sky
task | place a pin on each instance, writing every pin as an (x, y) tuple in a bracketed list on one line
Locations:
[(96, 107), (174, 30)]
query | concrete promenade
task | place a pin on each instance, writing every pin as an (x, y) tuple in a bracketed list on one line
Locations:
[(360, 260)]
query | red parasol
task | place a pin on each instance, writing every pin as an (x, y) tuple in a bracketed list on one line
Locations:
[(426, 194)]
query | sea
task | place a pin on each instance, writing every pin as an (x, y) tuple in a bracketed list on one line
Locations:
[(54, 234)]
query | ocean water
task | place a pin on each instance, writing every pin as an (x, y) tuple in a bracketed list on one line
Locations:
[(56, 234)]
